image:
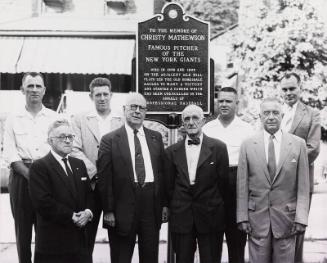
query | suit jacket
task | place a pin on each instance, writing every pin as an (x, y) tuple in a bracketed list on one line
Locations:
[(87, 140), (202, 204), (55, 200), (306, 124), (116, 176), (278, 203)]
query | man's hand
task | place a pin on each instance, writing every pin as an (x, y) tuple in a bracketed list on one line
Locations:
[(298, 228), (165, 214), (82, 218), (109, 219), (21, 168), (245, 227)]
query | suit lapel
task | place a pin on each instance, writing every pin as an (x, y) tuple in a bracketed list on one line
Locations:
[(62, 174), (259, 146), (205, 151), (122, 141), (285, 148), (299, 114), (181, 161), (92, 124)]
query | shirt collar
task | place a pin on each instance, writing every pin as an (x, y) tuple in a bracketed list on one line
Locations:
[(130, 131), (24, 112), (278, 135), (57, 156)]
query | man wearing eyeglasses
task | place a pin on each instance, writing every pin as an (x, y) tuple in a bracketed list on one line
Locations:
[(130, 170), (60, 191), (303, 121), (89, 127), (25, 140)]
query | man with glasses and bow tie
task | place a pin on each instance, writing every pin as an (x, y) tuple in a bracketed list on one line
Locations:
[(272, 189), (303, 121), (61, 194), (196, 185), (130, 171)]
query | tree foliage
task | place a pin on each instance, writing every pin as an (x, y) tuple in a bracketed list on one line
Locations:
[(220, 13), (289, 38)]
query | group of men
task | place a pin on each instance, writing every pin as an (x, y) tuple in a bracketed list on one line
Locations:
[(222, 178)]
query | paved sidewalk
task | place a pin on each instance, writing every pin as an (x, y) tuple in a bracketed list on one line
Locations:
[(315, 247)]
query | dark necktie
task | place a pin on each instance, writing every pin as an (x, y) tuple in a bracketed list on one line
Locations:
[(139, 161), (271, 158), (195, 141), (70, 174)]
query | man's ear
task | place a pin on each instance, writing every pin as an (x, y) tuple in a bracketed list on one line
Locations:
[(22, 89), (90, 95)]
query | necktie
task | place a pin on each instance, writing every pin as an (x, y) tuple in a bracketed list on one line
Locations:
[(70, 176), (271, 158), (139, 161), (68, 171), (195, 141)]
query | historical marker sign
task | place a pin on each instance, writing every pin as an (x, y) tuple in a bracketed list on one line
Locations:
[(173, 61)]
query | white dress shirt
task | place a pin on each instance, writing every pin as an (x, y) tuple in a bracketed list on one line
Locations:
[(60, 161), (277, 143), (232, 135), (104, 124), (145, 152), (192, 157), (25, 136), (289, 113)]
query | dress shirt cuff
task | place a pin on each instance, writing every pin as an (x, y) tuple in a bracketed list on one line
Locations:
[(12, 159), (90, 213)]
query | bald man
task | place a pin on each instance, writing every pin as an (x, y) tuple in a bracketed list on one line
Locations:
[(196, 174), (130, 170)]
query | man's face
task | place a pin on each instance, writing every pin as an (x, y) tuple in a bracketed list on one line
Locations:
[(291, 90), (135, 111), (193, 122), (61, 140), (101, 97), (33, 88), (227, 103), (271, 116)]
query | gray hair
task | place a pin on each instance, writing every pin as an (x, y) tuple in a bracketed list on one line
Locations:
[(194, 108), (56, 124)]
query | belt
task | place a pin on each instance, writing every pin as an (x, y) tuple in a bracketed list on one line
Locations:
[(148, 184)]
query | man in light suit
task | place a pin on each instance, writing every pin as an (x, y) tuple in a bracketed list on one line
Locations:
[(196, 183), (303, 121), (60, 191), (130, 170), (89, 127), (272, 189)]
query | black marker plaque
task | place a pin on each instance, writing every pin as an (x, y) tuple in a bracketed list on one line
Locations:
[(173, 61)]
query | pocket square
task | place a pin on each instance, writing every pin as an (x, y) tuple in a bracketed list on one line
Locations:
[(293, 161), (212, 163), (83, 178)]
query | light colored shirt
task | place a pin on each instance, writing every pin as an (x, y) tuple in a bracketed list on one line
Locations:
[(277, 143), (289, 113), (60, 161), (25, 136), (192, 157), (145, 152), (104, 124), (232, 135)]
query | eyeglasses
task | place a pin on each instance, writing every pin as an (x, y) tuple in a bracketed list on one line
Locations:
[(274, 113), (289, 89), (134, 107), (65, 137)]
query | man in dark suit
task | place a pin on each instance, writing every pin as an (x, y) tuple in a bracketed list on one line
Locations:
[(130, 182), (304, 122), (272, 189), (197, 178), (60, 191)]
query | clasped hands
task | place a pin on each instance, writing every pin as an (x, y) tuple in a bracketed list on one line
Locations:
[(82, 218)]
